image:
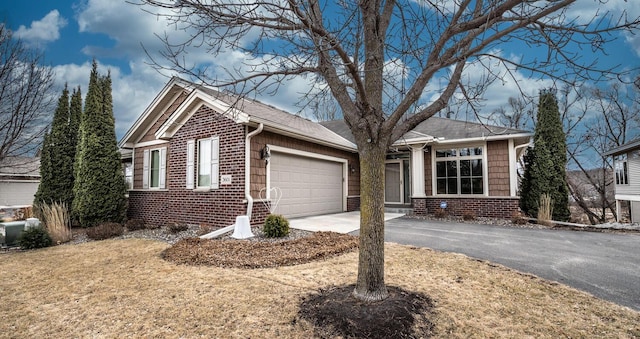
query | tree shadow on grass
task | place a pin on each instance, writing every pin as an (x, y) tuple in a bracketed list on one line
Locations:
[(336, 313)]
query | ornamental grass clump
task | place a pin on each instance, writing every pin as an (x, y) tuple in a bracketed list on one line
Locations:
[(545, 211), (57, 221), (276, 226)]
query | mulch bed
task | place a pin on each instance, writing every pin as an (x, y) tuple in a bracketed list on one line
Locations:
[(337, 313), (259, 254)]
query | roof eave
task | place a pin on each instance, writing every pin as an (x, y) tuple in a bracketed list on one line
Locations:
[(623, 148), (279, 129), (126, 141), (485, 138)]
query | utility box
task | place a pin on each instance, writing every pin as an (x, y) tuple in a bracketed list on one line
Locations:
[(12, 231)]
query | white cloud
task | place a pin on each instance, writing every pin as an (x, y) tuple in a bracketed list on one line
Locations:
[(45, 30), (132, 93)]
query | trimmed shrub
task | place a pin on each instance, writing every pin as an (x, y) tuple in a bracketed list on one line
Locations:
[(518, 219), (105, 231), (440, 213), (177, 227), (34, 237), (469, 216), (135, 224), (276, 226)]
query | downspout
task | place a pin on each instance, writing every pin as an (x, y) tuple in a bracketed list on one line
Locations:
[(247, 169)]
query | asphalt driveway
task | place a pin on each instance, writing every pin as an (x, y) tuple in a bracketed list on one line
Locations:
[(604, 264)]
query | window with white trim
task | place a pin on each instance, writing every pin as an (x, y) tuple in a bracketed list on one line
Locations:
[(203, 163), (459, 171), (621, 169), (154, 168)]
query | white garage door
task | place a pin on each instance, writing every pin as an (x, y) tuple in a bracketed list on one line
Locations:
[(16, 193), (309, 186)]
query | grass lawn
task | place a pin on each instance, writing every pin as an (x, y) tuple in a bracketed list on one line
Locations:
[(117, 288)]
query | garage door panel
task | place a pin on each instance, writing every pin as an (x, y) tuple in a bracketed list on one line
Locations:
[(309, 186)]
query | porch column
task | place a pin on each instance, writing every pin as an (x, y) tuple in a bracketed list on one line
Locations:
[(513, 171), (417, 173)]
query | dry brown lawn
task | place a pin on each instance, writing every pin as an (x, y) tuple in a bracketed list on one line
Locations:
[(117, 288)]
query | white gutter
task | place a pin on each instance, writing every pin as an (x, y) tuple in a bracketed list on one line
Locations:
[(483, 138), (247, 169)]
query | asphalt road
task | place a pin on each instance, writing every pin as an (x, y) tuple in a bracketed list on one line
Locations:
[(603, 264)]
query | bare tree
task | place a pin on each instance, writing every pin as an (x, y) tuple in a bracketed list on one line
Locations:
[(26, 97), (350, 46), (520, 113), (613, 121)]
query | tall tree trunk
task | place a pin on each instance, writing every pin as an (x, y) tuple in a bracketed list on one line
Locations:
[(370, 283)]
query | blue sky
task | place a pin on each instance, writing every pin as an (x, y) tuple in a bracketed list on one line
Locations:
[(72, 32)]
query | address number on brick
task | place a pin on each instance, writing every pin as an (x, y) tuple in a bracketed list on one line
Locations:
[(225, 179)]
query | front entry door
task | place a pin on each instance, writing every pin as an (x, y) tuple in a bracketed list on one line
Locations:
[(393, 188)]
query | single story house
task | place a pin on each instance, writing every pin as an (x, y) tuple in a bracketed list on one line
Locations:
[(19, 180), (200, 156), (626, 169)]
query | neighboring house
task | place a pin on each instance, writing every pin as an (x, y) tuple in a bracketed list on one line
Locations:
[(197, 159), (626, 168), (19, 180)]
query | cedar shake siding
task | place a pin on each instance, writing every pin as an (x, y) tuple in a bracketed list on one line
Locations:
[(150, 134), (258, 167), (498, 167)]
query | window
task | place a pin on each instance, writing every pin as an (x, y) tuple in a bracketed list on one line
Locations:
[(154, 168), (620, 163), (206, 163), (127, 168), (459, 171)]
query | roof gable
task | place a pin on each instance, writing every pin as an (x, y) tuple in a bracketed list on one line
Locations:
[(241, 110), (153, 112)]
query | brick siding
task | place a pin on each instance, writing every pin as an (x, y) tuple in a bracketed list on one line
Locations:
[(489, 207), (219, 207)]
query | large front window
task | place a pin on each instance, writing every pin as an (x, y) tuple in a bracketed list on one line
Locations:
[(622, 176), (459, 171)]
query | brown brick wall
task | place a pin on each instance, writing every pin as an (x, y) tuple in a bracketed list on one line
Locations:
[(498, 168), (258, 167), (219, 207), (482, 207), (216, 208), (150, 135)]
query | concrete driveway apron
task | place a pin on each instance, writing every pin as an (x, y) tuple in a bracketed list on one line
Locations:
[(340, 222)]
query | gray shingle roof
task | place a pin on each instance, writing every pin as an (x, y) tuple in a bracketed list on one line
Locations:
[(635, 143), (281, 120), (436, 127), (20, 167)]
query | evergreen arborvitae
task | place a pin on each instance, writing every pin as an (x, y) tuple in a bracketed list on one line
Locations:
[(99, 187), (75, 114), (546, 163), (43, 194)]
